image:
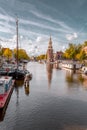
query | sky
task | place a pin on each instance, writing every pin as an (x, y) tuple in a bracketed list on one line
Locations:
[(64, 20)]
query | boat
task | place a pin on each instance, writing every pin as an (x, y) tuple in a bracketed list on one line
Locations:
[(6, 68), (16, 70), (68, 65), (3, 72), (6, 87), (17, 73), (71, 65), (84, 70), (24, 61)]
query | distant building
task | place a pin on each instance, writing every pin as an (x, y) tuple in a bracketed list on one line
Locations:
[(59, 55), (50, 57)]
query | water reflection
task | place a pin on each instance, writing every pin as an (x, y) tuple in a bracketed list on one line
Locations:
[(18, 83), (56, 65), (73, 78), (27, 89), (59, 109), (2, 114), (17, 93), (84, 81), (49, 68), (76, 127)]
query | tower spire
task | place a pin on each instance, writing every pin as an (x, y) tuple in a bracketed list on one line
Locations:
[(50, 51), (50, 42)]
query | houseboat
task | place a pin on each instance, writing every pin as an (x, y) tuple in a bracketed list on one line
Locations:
[(71, 65), (6, 87), (84, 70)]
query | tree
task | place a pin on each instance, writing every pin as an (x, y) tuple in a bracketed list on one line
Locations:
[(81, 56), (21, 54), (85, 43), (41, 57), (1, 51), (70, 52), (7, 53)]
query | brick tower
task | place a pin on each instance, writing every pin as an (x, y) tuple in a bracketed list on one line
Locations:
[(50, 51)]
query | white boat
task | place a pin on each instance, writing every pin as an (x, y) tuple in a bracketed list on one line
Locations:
[(72, 65), (6, 87), (84, 69)]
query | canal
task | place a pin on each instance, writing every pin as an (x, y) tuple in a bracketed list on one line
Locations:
[(56, 99)]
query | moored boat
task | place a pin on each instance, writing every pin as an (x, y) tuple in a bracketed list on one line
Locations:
[(19, 72), (72, 65), (16, 74), (84, 70), (6, 87)]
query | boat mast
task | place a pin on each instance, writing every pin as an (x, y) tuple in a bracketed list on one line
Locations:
[(17, 40)]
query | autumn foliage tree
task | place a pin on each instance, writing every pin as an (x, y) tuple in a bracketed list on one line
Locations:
[(41, 57), (74, 52), (1, 51), (7, 53), (81, 56), (21, 54)]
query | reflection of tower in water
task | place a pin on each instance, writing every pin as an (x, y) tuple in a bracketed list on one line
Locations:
[(49, 73)]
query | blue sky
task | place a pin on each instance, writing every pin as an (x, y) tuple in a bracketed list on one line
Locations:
[(64, 20)]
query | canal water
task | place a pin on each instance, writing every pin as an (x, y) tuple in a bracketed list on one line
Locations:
[(56, 99)]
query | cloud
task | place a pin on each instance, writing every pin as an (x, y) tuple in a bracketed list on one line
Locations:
[(43, 26), (50, 19), (6, 17), (5, 25), (13, 39), (41, 39), (70, 37), (37, 20)]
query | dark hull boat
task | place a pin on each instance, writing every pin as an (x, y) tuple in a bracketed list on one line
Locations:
[(17, 74)]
